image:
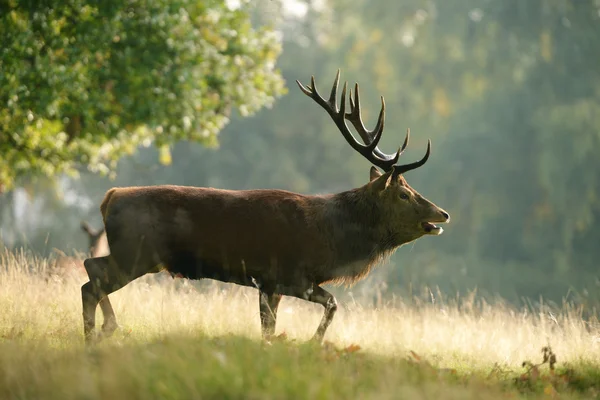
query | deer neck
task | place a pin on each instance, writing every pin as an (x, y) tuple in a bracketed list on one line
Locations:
[(358, 229)]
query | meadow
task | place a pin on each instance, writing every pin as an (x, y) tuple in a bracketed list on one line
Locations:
[(183, 341)]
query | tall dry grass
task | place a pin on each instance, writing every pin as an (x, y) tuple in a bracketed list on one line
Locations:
[(37, 303)]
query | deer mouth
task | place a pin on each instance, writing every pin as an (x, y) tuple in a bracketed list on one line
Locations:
[(431, 229)]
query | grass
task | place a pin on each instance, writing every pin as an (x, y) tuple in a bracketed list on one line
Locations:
[(183, 342)]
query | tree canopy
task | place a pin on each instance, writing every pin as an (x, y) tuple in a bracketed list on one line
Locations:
[(84, 83)]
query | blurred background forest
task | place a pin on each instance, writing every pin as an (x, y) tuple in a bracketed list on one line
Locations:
[(203, 93)]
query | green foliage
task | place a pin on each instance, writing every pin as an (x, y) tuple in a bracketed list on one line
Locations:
[(87, 82)]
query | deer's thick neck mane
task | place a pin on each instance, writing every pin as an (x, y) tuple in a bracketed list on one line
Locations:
[(359, 235)]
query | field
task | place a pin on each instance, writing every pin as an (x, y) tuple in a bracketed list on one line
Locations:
[(179, 341)]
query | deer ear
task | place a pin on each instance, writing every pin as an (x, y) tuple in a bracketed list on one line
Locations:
[(374, 174), (382, 181)]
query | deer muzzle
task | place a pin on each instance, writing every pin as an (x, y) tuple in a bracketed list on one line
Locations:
[(430, 227)]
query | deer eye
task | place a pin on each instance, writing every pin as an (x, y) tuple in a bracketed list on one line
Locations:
[(404, 196)]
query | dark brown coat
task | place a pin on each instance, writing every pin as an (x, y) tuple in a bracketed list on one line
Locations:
[(282, 243)]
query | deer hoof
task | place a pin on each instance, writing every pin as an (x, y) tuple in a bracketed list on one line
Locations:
[(92, 339), (317, 338), (108, 329)]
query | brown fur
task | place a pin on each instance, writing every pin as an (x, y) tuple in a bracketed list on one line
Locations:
[(104, 204), (282, 243)]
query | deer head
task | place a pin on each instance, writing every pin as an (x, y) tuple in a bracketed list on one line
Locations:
[(97, 239), (408, 214)]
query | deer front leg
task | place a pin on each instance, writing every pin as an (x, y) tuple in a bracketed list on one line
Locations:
[(268, 313), (326, 299), (315, 294)]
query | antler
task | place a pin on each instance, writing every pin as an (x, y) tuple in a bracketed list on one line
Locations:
[(371, 138)]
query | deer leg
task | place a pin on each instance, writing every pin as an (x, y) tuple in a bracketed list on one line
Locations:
[(90, 299), (269, 302), (103, 281), (315, 294), (110, 325), (326, 299)]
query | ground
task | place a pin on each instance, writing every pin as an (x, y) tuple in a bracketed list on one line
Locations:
[(179, 341)]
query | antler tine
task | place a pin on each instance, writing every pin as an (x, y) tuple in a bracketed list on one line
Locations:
[(305, 90), (405, 141), (342, 111), (313, 93), (400, 169), (401, 148), (378, 131), (330, 105), (369, 137), (333, 95)]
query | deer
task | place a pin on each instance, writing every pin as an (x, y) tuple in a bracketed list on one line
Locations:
[(97, 247), (98, 244), (280, 242)]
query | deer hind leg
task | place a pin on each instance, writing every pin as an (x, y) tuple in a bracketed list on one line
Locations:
[(315, 294), (104, 279), (110, 325), (269, 302)]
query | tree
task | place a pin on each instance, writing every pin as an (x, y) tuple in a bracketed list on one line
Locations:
[(87, 82)]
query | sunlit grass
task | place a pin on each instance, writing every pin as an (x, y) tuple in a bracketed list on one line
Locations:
[(41, 317)]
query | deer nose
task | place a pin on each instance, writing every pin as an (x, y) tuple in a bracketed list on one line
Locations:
[(445, 214)]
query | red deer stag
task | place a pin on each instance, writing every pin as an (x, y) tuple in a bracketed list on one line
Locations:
[(282, 243)]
